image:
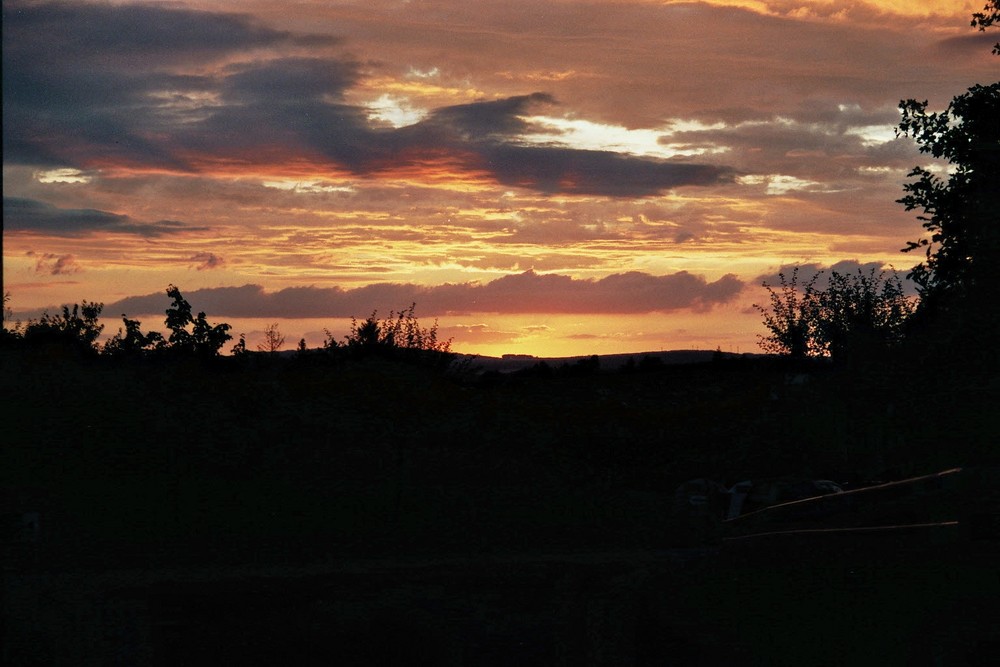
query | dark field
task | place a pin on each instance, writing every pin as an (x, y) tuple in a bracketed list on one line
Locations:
[(309, 510)]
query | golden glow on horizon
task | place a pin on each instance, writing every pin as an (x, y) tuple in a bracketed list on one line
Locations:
[(804, 9)]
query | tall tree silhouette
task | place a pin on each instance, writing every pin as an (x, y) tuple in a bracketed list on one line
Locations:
[(958, 276), (962, 213)]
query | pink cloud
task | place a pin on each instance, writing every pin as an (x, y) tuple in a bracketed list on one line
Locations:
[(527, 292)]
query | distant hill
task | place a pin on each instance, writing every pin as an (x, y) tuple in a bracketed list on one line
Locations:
[(509, 363)]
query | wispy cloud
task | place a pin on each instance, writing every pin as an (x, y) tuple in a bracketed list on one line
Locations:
[(205, 261), (55, 265)]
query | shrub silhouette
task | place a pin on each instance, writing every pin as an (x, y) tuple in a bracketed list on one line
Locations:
[(132, 341), (75, 328), (398, 336)]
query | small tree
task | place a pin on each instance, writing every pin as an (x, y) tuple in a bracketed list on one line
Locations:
[(273, 340), (791, 317), (12, 335), (853, 314), (860, 313), (240, 348), (202, 339), (8, 314)]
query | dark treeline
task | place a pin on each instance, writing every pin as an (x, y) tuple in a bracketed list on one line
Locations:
[(333, 451)]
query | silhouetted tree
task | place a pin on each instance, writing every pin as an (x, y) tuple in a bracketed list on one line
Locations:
[(399, 335), (132, 341), (330, 343), (202, 338), (7, 313), (853, 314), (273, 340), (12, 335), (240, 348), (791, 317), (961, 214), (860, 314)]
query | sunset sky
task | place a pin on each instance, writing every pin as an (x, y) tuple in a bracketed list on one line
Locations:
[(549, 177)]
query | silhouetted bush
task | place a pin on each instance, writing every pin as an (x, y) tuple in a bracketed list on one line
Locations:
[(75, 329), (852, 316), (399, 336)]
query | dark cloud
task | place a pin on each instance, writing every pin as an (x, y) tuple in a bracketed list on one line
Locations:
[(527, 292), (821, 273), (55, 265), (566, 170), (30, 215), (124, 35), (113, 89), (965, 45), (280, 81), (485, 121), (91, 82), (205, 261)]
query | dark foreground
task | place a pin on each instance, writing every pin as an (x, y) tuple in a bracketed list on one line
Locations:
[(304, 512)]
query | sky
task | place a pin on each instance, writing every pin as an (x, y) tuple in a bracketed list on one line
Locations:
[(547, 177)]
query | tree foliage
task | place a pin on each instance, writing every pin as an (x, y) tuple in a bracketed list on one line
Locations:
[(189, 334), (132, 341), (989, 17), (8, 335), (961, 214), (790, 317), (77, 328), (240, 348), (854, 314), (860, 313)]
